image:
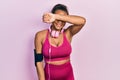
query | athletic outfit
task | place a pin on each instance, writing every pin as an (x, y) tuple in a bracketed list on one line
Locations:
[(62, 52)]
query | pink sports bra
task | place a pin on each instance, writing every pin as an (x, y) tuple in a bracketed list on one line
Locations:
[(57, 53)]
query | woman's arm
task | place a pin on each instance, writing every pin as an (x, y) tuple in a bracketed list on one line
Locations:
[(38, 47), (77, 21)]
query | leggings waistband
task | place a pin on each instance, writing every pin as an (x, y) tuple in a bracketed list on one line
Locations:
[(58, 66)]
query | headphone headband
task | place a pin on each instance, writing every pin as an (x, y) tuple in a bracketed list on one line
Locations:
[(55, 33)]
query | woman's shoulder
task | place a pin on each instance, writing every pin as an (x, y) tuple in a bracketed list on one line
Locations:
[(41, 34)]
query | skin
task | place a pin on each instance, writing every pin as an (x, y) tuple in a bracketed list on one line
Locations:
[(58, 21)]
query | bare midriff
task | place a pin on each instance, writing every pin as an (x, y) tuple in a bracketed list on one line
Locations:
[(58, 62)]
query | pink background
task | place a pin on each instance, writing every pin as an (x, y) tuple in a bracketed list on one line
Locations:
[(96, 48)]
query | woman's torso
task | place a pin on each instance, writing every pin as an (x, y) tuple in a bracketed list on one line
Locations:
[(59, 54)]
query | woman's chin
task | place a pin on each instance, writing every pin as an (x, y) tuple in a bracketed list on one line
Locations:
[(58, 28)]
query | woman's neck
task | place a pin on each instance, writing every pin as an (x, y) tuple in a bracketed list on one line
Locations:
[(53, 28)]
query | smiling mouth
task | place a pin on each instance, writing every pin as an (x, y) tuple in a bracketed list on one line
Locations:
[(58, 24)]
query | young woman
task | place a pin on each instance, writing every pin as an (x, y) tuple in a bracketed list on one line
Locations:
[(53, 44)]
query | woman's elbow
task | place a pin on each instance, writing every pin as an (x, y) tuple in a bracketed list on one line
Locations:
[(83, 21)]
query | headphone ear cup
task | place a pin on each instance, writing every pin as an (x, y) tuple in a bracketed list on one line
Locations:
[(55, 34)]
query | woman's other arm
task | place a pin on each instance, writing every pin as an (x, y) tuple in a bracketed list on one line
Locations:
[(38, 47), (77, 21)]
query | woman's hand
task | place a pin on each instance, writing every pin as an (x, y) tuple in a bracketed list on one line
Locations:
[(48, 17)]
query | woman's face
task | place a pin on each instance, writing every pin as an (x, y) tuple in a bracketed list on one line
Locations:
[(58, 24)]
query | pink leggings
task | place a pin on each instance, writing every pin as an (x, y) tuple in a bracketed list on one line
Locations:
[(59, 72)]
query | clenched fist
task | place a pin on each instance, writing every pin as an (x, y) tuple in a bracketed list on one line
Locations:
[(48, 17)]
